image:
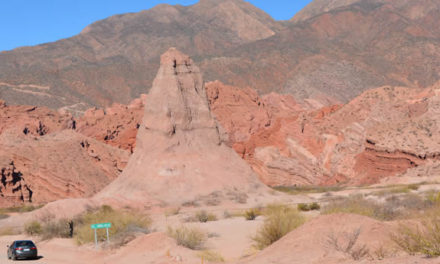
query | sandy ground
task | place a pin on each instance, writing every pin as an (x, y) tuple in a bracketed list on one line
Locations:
[(228, 236)]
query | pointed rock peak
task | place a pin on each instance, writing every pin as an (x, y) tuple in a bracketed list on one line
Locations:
[(174, 57), (178, 147)]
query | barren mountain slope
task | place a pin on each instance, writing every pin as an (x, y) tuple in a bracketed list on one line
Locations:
[(340, 52), (331, 51), (115, 59)]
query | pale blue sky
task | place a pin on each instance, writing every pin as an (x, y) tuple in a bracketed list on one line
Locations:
[(32, 22)]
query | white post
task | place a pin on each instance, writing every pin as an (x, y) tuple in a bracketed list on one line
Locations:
[(96, 239), (108, 238)]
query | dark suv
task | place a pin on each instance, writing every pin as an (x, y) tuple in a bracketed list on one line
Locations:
[(22, 249)]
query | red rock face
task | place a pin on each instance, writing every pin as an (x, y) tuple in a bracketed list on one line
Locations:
[(116, 125), (43, 158), (32, 120), (383, 133)]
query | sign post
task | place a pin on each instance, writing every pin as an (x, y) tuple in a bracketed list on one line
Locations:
[(101, 226)]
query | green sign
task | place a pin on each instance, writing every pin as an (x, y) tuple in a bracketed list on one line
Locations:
[(102, 225)]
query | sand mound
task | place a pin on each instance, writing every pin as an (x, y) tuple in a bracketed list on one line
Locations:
[(311, 243)]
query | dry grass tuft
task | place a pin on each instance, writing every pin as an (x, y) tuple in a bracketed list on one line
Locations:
[(192, 238), (123, 223), (203, 216), (33, 228), (280, 220), (211, 256), (421, 238), (252, 214), (357, 204)]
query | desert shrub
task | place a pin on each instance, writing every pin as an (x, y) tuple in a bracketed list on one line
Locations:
[(423, 238), (48, 229), (52, 229), (348, 246), (251, 214), (357, 204), (3, 216), (123, 222), (226, 214), (172, 211), (308, 207), (203, 216), (33, 228), (315, 206), (303, 207), (280, 220), (192, 238), (211, 256)]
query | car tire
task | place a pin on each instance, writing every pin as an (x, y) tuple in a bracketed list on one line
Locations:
[(14, 257)]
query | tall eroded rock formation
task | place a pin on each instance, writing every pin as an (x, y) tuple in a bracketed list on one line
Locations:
[(179, 154)]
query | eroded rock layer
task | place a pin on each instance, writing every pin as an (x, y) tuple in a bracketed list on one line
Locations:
[(180, 153), (385, 132)]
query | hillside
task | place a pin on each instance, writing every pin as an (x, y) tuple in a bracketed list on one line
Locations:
[(330, 51)]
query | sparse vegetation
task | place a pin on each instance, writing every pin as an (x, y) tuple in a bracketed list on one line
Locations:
[(123, 223), (348, 246), (8, 231), (48, 228), (60, 228), (211, 256), (251, 214), (203, 216), (3, 216), (19, 209), (308, 207), (357, 204), (423, 238), (308, 189), (280, 220), (392, 207), (33, 228), (172, 211), (397, 189), (192, 238)]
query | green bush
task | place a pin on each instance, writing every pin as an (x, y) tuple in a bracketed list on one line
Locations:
[(192, 238), (33, 228), (280, 220), (122, 223), (203, 217)]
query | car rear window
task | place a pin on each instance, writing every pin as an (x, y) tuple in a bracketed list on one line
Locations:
[(24, 244)]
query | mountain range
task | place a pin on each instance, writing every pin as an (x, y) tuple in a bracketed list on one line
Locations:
[(330, 52)]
